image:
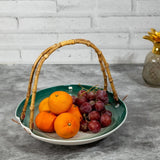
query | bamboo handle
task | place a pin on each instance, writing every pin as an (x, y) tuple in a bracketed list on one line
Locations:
[(44, 55)]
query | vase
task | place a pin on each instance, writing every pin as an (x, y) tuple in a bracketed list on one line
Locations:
[(151, 68)]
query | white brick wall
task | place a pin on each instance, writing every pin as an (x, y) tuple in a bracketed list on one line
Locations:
[(127, 23), (54, 24), (101, 40), (72, 56), (30, 8), (27, 27), (148, 7), (78, 7), (28, 40), (9, 56), (114, 7), (8, 24)]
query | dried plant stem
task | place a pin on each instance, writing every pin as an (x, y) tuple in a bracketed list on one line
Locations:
[(103, 70), (110, 79), (34, 90), (30, 81), (44, 55)]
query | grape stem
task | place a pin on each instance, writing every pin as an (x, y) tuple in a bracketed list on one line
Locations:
[(95, 87), (85, 117)]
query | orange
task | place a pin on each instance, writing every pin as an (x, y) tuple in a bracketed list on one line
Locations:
[(75, 111), (66, 125), (59, 102), (45, 121), (43, 106)]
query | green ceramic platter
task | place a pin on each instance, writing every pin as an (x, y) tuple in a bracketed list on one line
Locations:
[(119, 115)]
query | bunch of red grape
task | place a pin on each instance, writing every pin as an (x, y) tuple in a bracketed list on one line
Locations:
[(92, 107)]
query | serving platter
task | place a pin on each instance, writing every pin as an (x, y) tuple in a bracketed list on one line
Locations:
[(119, 115)]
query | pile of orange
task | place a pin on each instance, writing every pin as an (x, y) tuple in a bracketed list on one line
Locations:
[(58, 113)]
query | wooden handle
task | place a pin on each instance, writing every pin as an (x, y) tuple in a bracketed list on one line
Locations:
[(44, 55)]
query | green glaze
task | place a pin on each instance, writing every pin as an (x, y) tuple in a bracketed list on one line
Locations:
[(118, 114)]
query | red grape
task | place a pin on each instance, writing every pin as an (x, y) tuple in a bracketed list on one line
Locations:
[(85, 108), (94, 126), (92, 103), (80, 100), (94, 115), (91, 95), (84, 126), (102, 95), (107, 112), (82, 93), (105, 120), (106, 100), (74, 99), (99, 106)]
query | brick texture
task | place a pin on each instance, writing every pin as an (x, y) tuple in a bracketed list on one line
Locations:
[(20, 41), (150, 7), (27, 27), (114, 7), (139, 43), (101, 40), (71, 7), (121, 56), (54, 24), (27, 8), (9, 56), (65, 56), (128, 23), (8, 24)]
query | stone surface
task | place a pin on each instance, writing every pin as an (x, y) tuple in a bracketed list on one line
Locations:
[(114, 26), (138, 138)]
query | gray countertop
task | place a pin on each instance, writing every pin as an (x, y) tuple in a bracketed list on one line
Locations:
[(137, 138)]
